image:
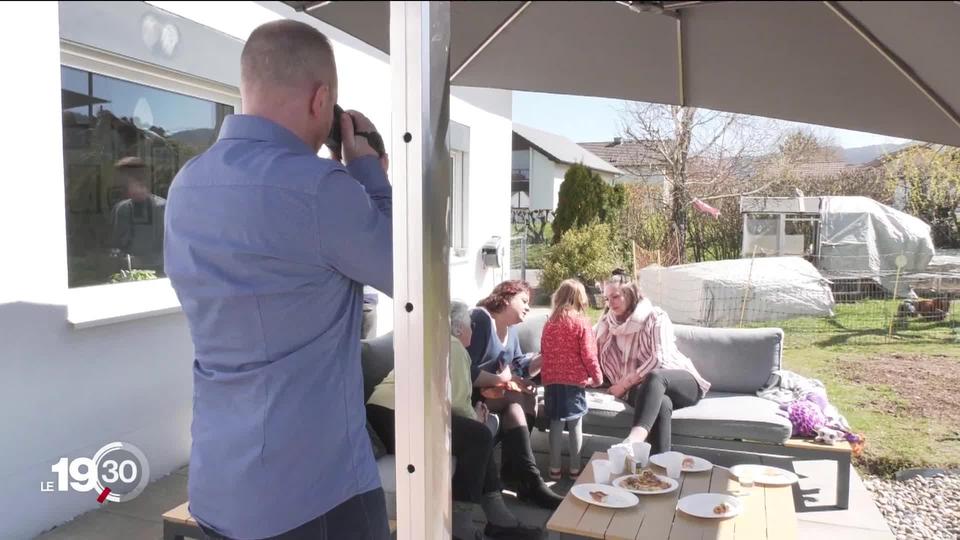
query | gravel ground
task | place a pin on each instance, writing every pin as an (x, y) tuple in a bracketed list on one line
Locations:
[(919, 508)]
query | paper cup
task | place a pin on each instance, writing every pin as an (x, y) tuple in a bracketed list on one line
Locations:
[(641, 453), (674, 462), (617, 456), (601, 471)]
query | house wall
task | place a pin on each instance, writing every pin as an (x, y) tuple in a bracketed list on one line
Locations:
[(86, 367), (543, 193)]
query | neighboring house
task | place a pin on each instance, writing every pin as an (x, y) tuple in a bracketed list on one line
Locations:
[(89, 362), (540, 161), (634, 158)]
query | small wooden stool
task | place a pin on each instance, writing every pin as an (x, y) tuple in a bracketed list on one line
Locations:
[(178, 524)]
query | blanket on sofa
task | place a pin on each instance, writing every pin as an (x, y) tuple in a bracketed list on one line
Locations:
[(804, 401)]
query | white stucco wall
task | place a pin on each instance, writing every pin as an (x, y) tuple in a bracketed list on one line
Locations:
[(542, 183), (67, 391)]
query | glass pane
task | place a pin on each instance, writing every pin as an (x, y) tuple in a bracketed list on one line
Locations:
[(122, 145)]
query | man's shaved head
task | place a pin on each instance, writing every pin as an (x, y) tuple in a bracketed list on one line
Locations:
[(288, 74), (287, 54)]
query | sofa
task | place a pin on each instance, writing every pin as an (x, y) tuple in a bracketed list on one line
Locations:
[(376, 359), (737, 362)]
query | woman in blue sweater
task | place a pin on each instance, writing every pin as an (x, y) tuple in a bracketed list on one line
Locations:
[(499, 367)]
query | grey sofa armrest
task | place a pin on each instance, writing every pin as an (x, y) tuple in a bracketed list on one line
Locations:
[(732, 359)]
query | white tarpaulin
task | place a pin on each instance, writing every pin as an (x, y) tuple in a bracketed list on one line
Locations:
[(861, 238), (718, 293)]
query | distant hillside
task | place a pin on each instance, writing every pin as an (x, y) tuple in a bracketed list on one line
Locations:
[(866, 154)]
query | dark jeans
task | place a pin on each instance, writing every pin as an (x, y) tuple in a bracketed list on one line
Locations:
[(363, 517), (655, 399), (476, 471)]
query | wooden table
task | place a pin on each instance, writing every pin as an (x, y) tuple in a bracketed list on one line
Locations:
[(768, 513)]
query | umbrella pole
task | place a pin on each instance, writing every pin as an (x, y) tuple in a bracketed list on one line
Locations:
[(420, 160)]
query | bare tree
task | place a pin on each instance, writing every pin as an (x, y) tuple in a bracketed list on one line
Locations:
[(700, 154)]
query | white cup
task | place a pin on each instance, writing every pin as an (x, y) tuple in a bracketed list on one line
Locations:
[(674, 462), (641, 453), (601, 471), (617, 456)]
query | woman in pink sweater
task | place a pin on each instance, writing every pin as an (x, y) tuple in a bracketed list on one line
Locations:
[(570, 364), (640, 360)]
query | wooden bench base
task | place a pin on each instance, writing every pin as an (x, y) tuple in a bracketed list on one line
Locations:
[(798, 449), (178, 524)]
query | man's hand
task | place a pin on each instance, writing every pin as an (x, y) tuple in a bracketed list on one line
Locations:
[(355, 146)]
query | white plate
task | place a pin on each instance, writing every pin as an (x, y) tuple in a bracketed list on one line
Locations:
[(702, 504), (673, 485), (761, 475), (699, 464), (616, 497)]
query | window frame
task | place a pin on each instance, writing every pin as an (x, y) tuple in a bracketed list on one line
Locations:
[(109, 303), (459, 194)]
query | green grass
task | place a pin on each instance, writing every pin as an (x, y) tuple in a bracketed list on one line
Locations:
[(820, 347), (895, 440)]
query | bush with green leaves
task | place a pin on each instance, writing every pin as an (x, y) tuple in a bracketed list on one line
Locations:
[(133, 275), (584, 197), (587, 253)]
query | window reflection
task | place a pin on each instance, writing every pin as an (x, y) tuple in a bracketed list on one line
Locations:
[(122, 145)]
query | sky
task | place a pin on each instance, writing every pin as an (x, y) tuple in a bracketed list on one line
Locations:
[(589, 119)]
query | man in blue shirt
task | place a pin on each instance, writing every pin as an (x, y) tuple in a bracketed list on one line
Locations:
[(268, 247)]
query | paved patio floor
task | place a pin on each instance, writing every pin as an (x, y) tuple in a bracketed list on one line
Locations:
[(140, 519)]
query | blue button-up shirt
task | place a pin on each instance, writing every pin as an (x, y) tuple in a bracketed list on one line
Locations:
[(268, 247)]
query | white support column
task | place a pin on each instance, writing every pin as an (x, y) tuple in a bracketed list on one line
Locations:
[(419, 60)]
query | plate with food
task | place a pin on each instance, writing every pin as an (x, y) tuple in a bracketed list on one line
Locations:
[(604, 495), (691, 464), (762, 474), (710, 505), (646, 483)]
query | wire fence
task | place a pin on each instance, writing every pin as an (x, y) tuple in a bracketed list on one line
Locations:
[(854, 306)]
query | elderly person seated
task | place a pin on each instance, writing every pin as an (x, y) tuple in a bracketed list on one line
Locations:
[(475, 479)]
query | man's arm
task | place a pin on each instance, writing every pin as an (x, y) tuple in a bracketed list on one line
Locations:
[(355, 224)]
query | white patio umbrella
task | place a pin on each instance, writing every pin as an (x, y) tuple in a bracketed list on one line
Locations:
[(883, 67), (880, 67)]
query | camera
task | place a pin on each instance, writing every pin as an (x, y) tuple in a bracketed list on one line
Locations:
[(335, 139)]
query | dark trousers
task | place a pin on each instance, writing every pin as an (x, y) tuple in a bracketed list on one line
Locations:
[(363, 517), (472, 445), (655, 399)]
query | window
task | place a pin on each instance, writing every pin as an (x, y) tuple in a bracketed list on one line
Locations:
[(123, 143), (458, 191)]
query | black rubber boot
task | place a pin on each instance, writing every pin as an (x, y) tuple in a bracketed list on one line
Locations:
[(516, 443)]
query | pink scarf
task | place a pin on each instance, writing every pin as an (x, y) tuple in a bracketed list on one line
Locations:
[(627, 349)]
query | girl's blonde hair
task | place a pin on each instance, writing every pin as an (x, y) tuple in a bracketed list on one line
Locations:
[(571, 294)]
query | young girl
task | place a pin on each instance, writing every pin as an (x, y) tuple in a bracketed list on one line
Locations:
[(570, 364)]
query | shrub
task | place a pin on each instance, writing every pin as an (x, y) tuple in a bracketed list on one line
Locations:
[(584, 198), (587, 253)]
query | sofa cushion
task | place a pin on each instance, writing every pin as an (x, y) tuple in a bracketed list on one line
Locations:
[(376, 360), (717, 416), (529, 331), (732, 359), (731, 416)]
